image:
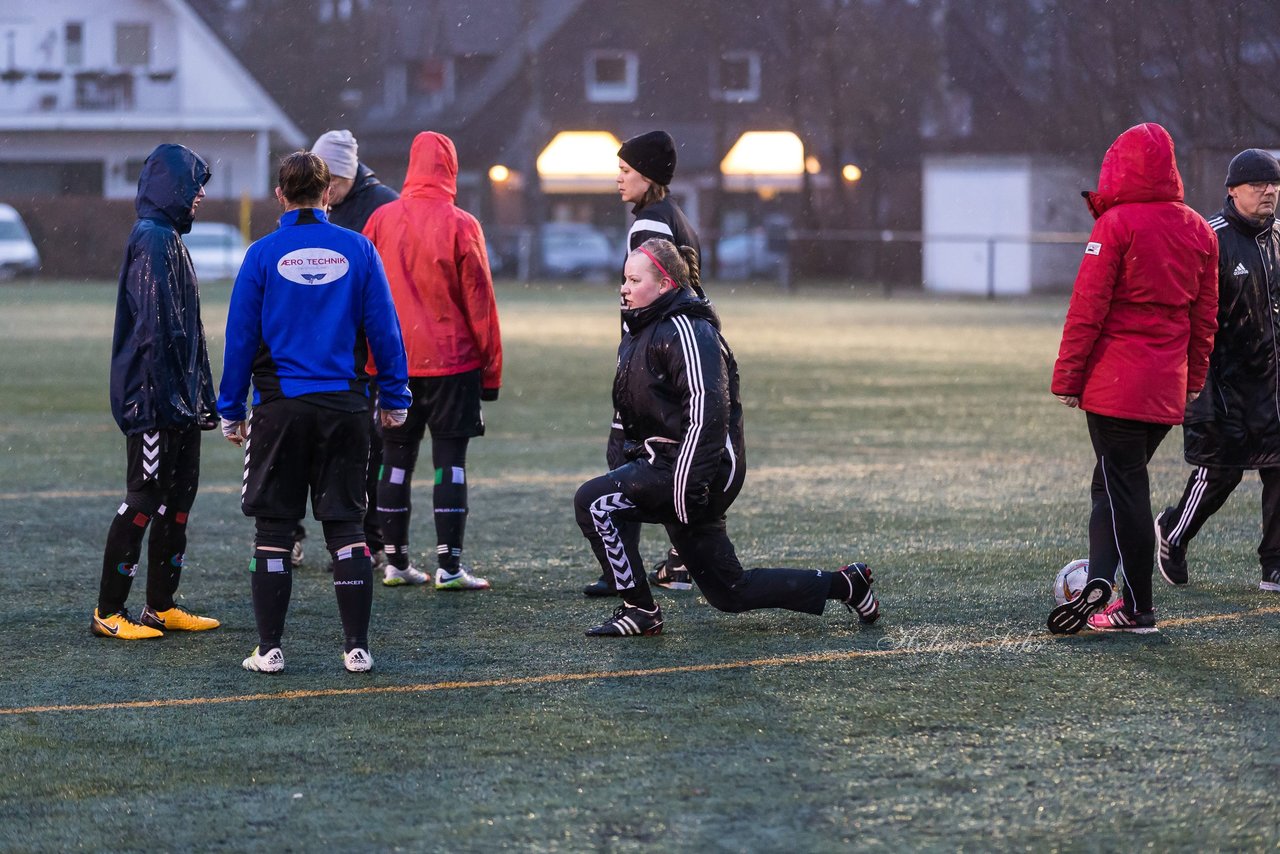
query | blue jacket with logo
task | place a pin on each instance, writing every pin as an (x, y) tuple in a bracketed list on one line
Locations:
[(160, 375), (310, 302)]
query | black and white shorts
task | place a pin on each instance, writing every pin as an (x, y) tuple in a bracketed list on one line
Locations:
[(295, 447)]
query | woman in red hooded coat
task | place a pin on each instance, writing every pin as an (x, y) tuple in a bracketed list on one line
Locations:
[(1135, 350), (438, 269)]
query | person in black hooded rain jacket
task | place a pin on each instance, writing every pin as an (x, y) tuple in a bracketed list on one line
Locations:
[(676, 395), (161, 397), (1235, 425)]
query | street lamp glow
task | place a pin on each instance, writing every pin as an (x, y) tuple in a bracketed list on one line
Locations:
[(811, 165), (499, 174), (851, 173)]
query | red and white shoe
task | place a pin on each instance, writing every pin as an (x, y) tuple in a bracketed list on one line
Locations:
[(1116, 618)]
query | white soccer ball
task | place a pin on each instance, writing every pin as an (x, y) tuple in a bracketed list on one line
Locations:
[(1070, 581)]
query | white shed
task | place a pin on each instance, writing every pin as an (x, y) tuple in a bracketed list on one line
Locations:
[(1000, 225)]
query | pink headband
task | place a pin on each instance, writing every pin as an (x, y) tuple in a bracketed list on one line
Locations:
[(658, 264)]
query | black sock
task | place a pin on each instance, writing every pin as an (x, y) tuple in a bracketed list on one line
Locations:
[(353, 585), (841, 587), (394, 509), (640, 598), (120, 558), (449, 496), (271, 583), (166, 554)]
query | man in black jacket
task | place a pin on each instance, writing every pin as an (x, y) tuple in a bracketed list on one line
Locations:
[(1235, 424), (354, 191), (161, 397)]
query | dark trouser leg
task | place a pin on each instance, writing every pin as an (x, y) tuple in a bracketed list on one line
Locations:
[(1121, 524), (352, 581), (399, 456), (167, 545), (449, 499), (271, 581), (158, 463), (1206, 491), (601, 509), (124, 546), (1269, 549), (712, 562), (628, 531)]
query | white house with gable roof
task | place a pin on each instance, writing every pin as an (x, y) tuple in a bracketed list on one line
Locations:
[(88, 88)]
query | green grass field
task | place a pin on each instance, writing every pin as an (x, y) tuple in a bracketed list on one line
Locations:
[(917, 435)]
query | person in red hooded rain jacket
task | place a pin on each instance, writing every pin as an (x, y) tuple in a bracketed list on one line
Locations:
[(1135, 351), (436, 262)]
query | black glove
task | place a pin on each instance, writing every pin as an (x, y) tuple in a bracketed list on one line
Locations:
[(488, 394)]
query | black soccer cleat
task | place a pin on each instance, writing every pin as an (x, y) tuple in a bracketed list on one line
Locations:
[(629, 621), (1171, 559), (862, 599), (599, 588), (1069, 618), (670, 577)]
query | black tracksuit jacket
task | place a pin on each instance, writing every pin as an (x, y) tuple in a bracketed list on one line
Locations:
[(1236, 420), (676, 395)]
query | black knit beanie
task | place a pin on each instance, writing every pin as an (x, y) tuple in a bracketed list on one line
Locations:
[(1252, 164), (652, 154)]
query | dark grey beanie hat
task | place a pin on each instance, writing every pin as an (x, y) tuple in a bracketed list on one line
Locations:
[(652, 154), (1252, 164)]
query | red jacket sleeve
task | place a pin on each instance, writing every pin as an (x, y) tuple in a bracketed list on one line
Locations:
[(1090, 304), (480, 304), (1204, 321)]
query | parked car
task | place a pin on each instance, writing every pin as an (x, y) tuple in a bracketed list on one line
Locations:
[(578, 250), (18, 255), (216, 248), (747, 255)]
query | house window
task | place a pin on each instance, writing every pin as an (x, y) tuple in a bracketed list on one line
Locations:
[(74, 40), (737, 77), (611, 76), (133, 44)]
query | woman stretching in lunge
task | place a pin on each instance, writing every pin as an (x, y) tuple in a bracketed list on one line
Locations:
[(676, 394)]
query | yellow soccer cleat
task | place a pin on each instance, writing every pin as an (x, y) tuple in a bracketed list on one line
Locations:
[(121, 627), (177, 619)]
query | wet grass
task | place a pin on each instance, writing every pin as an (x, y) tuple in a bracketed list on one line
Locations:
[(915, 434)]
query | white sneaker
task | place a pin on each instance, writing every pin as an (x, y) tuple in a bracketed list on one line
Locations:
[(460, 580), (358, 660), (272, 662), (393, 577)]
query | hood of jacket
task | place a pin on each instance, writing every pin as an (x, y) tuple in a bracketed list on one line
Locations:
[(1138, 167), (171, 178), (433, 168), (678, 301)]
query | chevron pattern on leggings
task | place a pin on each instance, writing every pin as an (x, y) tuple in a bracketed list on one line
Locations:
[(601, 515)]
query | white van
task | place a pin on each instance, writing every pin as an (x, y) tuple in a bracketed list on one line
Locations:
[(18, 255)]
